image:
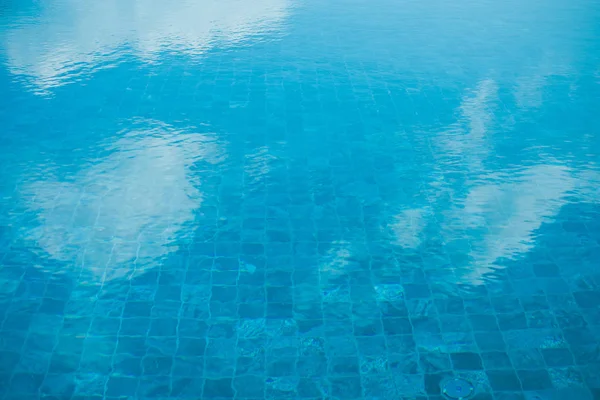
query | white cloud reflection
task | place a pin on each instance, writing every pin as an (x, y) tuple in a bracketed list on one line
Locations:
[(463, 144), (498, 214), (510, 213), (121, 214), (407, 227), (70, 38)]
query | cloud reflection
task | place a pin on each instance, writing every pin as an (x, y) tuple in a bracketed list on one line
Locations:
[(71, 38), (462, 145), (121, 214), (510, 213), (497, 214)]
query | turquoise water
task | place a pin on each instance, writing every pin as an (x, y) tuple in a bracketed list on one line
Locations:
[(281, 199)]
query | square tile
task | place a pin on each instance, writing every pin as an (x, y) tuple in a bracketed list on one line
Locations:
[(466, 361), (503, 380)]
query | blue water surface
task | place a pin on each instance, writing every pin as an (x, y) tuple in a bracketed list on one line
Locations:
[(299, 199)]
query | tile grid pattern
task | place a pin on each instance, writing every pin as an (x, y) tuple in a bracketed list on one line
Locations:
[(297, 290), (275, 330)]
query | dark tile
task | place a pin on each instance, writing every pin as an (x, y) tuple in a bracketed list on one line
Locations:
[(432, 383), (8, 361), (341, 346), (343, 366), (535, 379), (52, 306), (580, 336), (512, 321), (506, 304), (425, 325), (157, 365), (482, 396), (311, 388), (252, 310), (280, 310), (284, 366), (311, 366), (192, 347), (452, 306), (478, 306), (396, 309), (416, 291), (346, 387), (569, 319), (368, 327), (534, 303), (249, 386), (591, 375), (484, 323), (454, 323), (496, 360), (559, 357), (586, 354), (526, 358), (118, 386), (163, 327), (371, 345), (219, 367), (490, 341), (185, 387), (397, 326), (546, 270), (587, 299), (401, 344), (218, 388), (25, 384), (510, 396), (137, 309), (503, 380), (540, 319), (338, 327), (466, 361), (279, 294), (224, 293), (187, 366)]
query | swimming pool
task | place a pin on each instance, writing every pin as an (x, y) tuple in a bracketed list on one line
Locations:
[(284, 199)]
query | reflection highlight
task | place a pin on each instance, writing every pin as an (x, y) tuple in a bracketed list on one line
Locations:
[(70, 39), (494, 214), (116, 217)]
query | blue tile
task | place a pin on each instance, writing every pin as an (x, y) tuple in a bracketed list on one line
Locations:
[(558, 357), (218, 388), (490, 341), (249, 386), (535, 379), (346, 387), (121, 386), (526, 358), (496, 360), (466, 361), (503, 380)]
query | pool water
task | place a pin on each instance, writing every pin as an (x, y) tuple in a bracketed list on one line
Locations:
[(299, 199)]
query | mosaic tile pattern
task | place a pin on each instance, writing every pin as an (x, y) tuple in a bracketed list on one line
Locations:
[(299, 200)]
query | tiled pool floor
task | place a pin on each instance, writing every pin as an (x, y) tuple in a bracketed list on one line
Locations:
[(299, 199)]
